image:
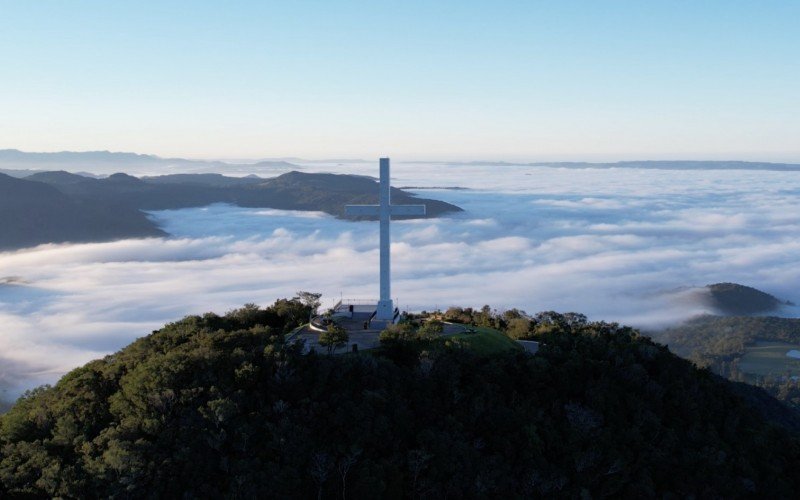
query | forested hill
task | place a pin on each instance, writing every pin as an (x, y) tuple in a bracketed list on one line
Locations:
[(32, 213), (330, 193), (735, 299), (221, 407), (62, 206)]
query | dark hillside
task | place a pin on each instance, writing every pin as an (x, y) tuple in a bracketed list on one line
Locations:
[(329, 193), (60, 206), (721, 344), (218, 407), (735, 299), (726, 336), (59, 177), (131, 192), (33, 212), (214, 180), (291, 191)]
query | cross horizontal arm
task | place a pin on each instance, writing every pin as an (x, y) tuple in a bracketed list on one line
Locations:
[(361, 210), (408, 209)]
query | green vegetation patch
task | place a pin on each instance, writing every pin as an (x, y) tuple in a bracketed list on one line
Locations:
[(736, 348), (484, 340), (221, 407), (770, 359)]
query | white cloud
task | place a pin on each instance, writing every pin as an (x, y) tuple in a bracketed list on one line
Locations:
[(606, 243)]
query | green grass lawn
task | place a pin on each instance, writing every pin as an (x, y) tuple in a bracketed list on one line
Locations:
[(769, 358), (485, 340)]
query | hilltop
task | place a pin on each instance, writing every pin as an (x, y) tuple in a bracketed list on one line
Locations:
[(728, 299), (221, 406), (58, 206), (735, 299)]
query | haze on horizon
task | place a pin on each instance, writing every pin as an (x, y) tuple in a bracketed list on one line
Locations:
[(518, 81)]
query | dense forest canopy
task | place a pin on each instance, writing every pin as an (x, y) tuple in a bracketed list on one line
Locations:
[(221, 407), (720, 343), (708, 339)]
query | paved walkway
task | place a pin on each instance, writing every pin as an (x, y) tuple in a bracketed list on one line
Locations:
[(364, 339)]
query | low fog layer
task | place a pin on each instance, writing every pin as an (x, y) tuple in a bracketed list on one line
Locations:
[(612, 244)]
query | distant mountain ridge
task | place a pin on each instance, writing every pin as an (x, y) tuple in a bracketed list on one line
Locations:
[(109, 162), (641, 164), (54, 207), (681, 165), (17, 155)]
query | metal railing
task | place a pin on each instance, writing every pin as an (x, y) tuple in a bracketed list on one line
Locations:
[(357, 302)]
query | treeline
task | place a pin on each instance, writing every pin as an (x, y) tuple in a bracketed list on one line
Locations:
[(716, 341), (221, 407), (719, 342), (515, 323)]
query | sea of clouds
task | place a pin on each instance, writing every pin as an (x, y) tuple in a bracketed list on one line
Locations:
[(615, 244)]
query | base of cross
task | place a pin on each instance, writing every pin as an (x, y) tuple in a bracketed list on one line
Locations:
[(359, 316), (386, 311)]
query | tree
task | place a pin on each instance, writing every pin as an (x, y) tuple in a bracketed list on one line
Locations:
[(458, 315), (310, 300), (402, 332), (399, 343), (431, 329), (293, 311), (333, 338), (574, 319), (484, 317), (320, 470), (344, 466), (514, 313), (247, 315), (518, 328)]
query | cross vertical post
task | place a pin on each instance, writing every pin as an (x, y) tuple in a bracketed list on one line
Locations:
[(384, 211), (385, 308)]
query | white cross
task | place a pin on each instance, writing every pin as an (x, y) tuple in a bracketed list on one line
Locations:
[(385, 210)]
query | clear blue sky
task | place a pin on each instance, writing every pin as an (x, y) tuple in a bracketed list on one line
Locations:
[(529, 80)]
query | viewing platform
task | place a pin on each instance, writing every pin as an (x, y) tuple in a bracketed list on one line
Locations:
[(354, 315)]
